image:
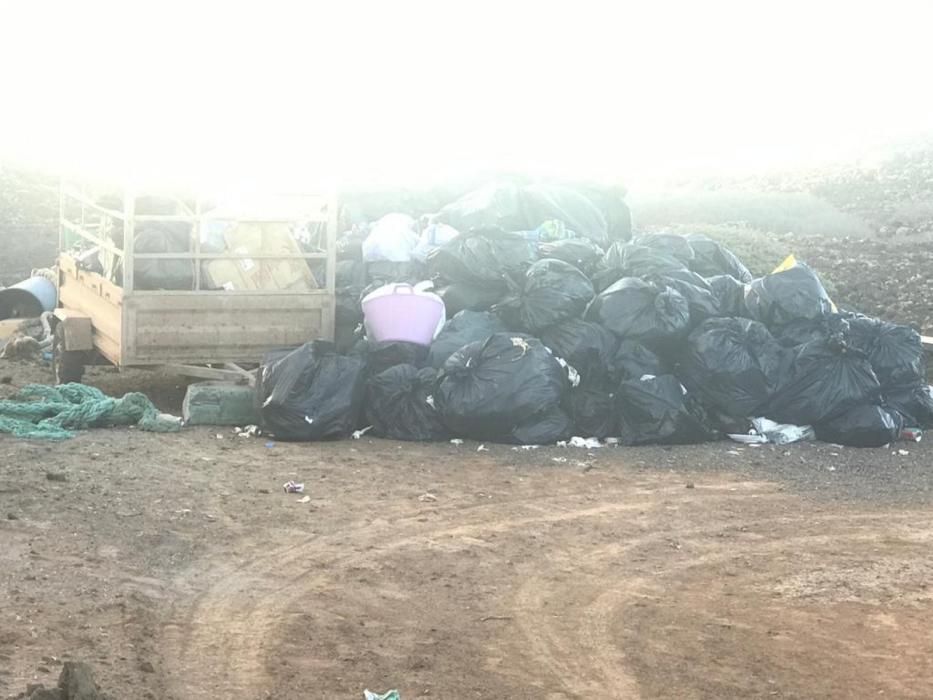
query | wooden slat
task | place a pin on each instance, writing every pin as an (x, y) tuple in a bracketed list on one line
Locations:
[(230, 256), (200, 328)]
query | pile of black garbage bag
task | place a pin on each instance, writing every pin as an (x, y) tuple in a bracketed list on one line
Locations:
[(664, 339)]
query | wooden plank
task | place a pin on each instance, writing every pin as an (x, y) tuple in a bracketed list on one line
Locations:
[(78, 332), (104, 314), (231, 256), (205, 328)]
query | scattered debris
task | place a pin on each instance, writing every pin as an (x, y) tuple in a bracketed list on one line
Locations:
[(305, 499), (357, 434), (903, 453), (482, 448), (293, 487), (391, 695), (248, 432), (559, 460), (576, 441), (456, 441), (427, 498)]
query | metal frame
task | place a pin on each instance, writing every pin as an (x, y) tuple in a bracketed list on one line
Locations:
[(77, 206)]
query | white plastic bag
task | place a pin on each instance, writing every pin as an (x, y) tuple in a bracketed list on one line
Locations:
[(392, 239), (434, 236)]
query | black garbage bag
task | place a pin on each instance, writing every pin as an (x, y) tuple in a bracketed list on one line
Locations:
[(637, 310), (312, 393), (733, 365), (913, 403), (497, 205), (463, 296), (381, 356), (348, 309), (631, 260), (489, 388), (803, 331), (633, 360), (592, 409), (694, 289), (729, 294), (825, 378), (350, 273), (670, 244), (553, 291), (464, 328), (544, 429), (895, 352), (400, 404), (516, 207), (711, 258), (582, 253), (482, 256), (791, 295), (545, 201), (659, 410), (865, 425), (587, 347), (163, 237)]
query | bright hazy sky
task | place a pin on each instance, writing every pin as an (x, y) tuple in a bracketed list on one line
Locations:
[(303, 93)]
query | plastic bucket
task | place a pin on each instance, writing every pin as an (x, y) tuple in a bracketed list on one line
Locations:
[(399, 312), (28, 299)]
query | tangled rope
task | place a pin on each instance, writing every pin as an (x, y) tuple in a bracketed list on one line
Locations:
[(53, 413)]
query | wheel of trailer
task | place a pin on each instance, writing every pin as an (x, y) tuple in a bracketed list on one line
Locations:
[(68, 365)]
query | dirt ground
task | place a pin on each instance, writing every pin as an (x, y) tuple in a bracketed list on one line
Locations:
[(179, 568)]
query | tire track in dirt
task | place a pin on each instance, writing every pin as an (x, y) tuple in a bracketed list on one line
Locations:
[(220, 643), (585, 659)]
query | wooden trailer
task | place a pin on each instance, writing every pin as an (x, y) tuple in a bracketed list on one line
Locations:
[(258, 281)]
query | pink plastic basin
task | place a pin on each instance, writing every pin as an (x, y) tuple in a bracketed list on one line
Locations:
[(399, 312)]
